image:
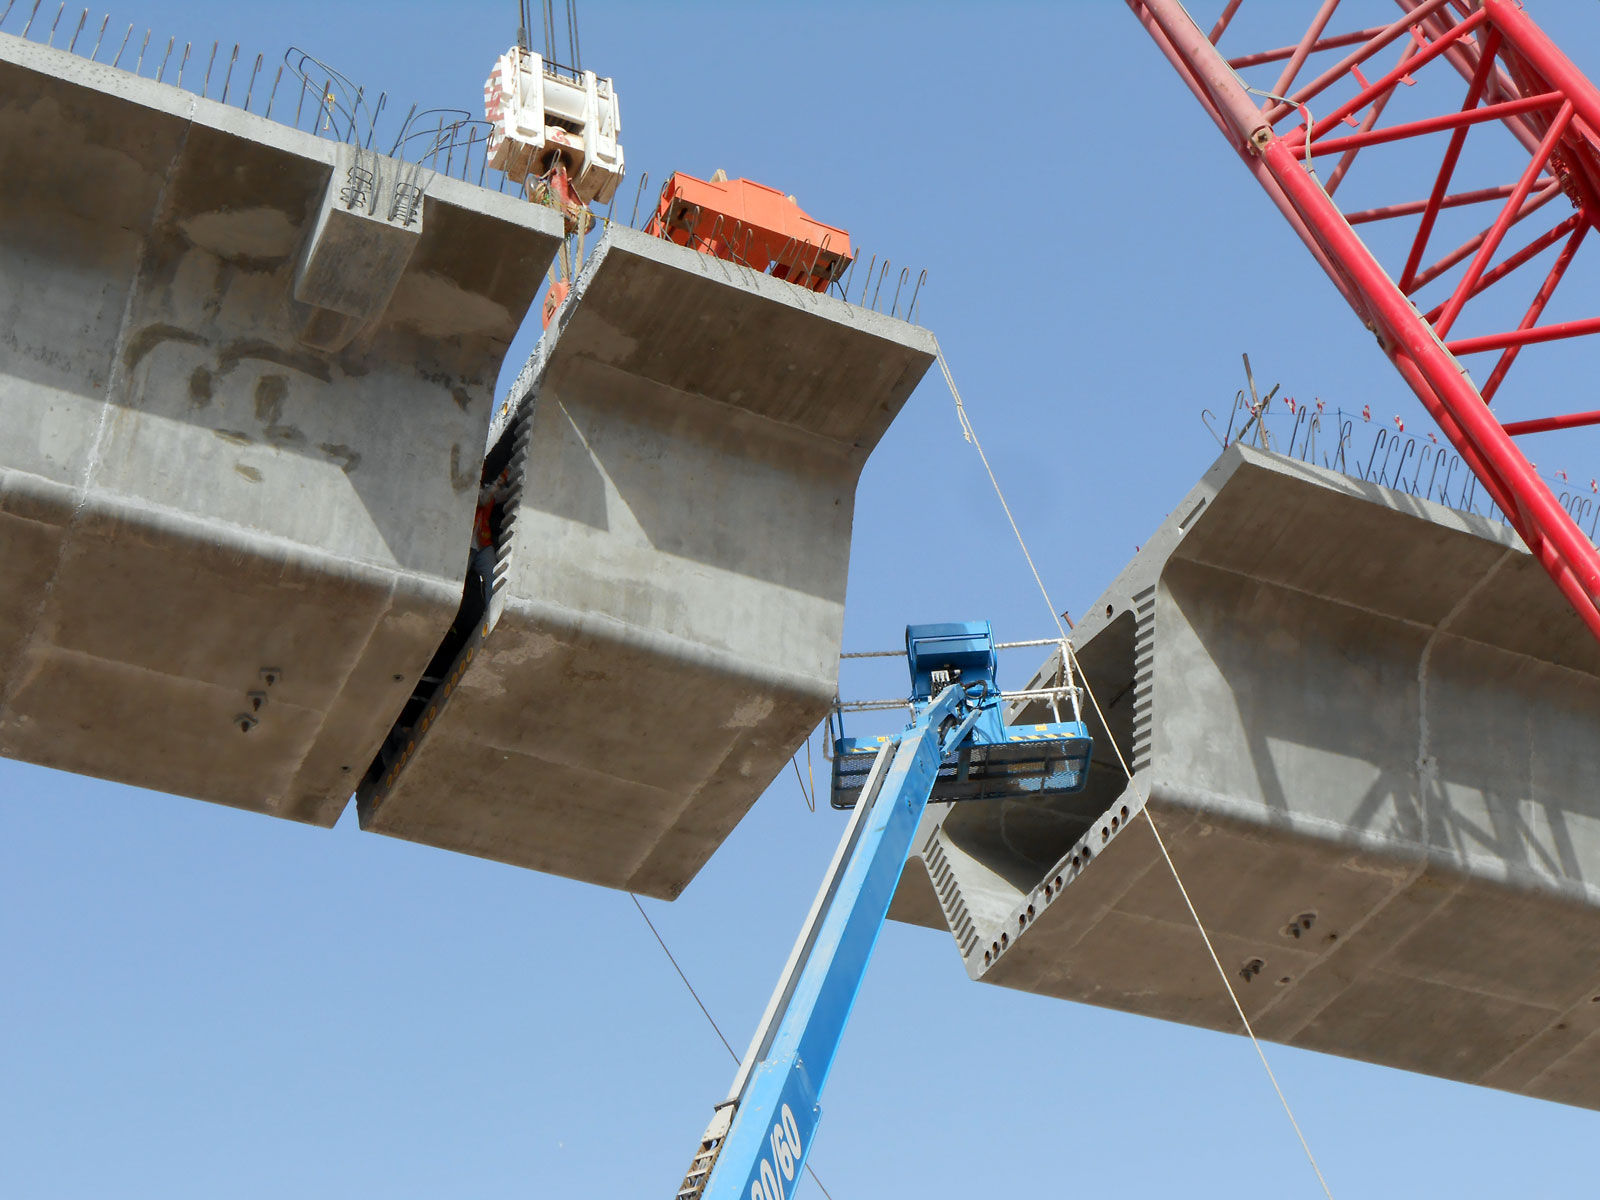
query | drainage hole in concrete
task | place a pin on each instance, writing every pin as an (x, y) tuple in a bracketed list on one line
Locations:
[(1124, 813), (1105, 834), (1251, 968), (1004, 941), (1113, 824), (1058, 878), (1283, 981), (1030, 912)]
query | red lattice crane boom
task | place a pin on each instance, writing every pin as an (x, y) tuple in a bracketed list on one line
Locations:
[(1478, 64)]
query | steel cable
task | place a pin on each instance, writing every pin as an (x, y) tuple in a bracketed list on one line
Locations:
[(732, 1053), (971, 435)]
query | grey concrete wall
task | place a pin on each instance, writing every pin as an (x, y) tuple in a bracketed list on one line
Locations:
[(1365, 726), (233, 437), (667, 624)]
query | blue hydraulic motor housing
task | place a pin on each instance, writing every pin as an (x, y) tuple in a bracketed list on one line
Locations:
[(993, 760)]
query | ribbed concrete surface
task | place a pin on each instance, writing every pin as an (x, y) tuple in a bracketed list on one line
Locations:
[(206, 510), (667, 623), (1366, 728)]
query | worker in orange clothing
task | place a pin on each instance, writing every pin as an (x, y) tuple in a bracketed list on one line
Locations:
[(492, 497)]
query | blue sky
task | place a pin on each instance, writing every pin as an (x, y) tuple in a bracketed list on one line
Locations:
[(202, 1002)]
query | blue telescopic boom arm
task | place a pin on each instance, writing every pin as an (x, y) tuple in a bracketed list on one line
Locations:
[(775, 1111), (760, 1136)]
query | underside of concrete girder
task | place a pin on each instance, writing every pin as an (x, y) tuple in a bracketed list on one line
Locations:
[(668, 607), (1365, 726), (246, 375)]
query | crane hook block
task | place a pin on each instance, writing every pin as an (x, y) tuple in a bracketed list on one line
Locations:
[(545, 116)]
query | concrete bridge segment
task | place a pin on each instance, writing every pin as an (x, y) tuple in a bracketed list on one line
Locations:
[(1366, 727), (245, 379), (666, 625)]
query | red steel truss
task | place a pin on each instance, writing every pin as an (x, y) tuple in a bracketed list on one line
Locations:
[(1483, 61)]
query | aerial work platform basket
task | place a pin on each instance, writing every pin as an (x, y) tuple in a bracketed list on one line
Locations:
[(1040, 760)]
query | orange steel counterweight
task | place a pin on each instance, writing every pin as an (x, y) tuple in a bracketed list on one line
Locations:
[(750, 223)]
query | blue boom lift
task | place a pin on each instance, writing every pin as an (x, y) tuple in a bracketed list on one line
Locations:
[(957, 748)]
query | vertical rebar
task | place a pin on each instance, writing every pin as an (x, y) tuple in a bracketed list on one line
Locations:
[(612, 203), (355, 115), (250, 88), (171, 41), (633, 221), (31, 16), (184, 61), (228, 78), (325, 106), (300, 105), (377, 111), (205, 84), (273, 94), (7, 12), (99, 37), (883, 271), (82, 19), (867, 282), (51, 40), (911, 309), (849, 274), (118, 59)]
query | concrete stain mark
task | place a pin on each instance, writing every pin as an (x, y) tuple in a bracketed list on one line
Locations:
[(271, 391), (347, 458), (250, 473), (222, 276), (235, 437), (439, 307), (462, 480), (200, 387), (294, 360), (250, 237), (462, 397), (750, 713), (151, 336)]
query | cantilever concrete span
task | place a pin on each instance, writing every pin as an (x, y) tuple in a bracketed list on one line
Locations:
[(246, 376), (665, 627), (1366, 727)]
